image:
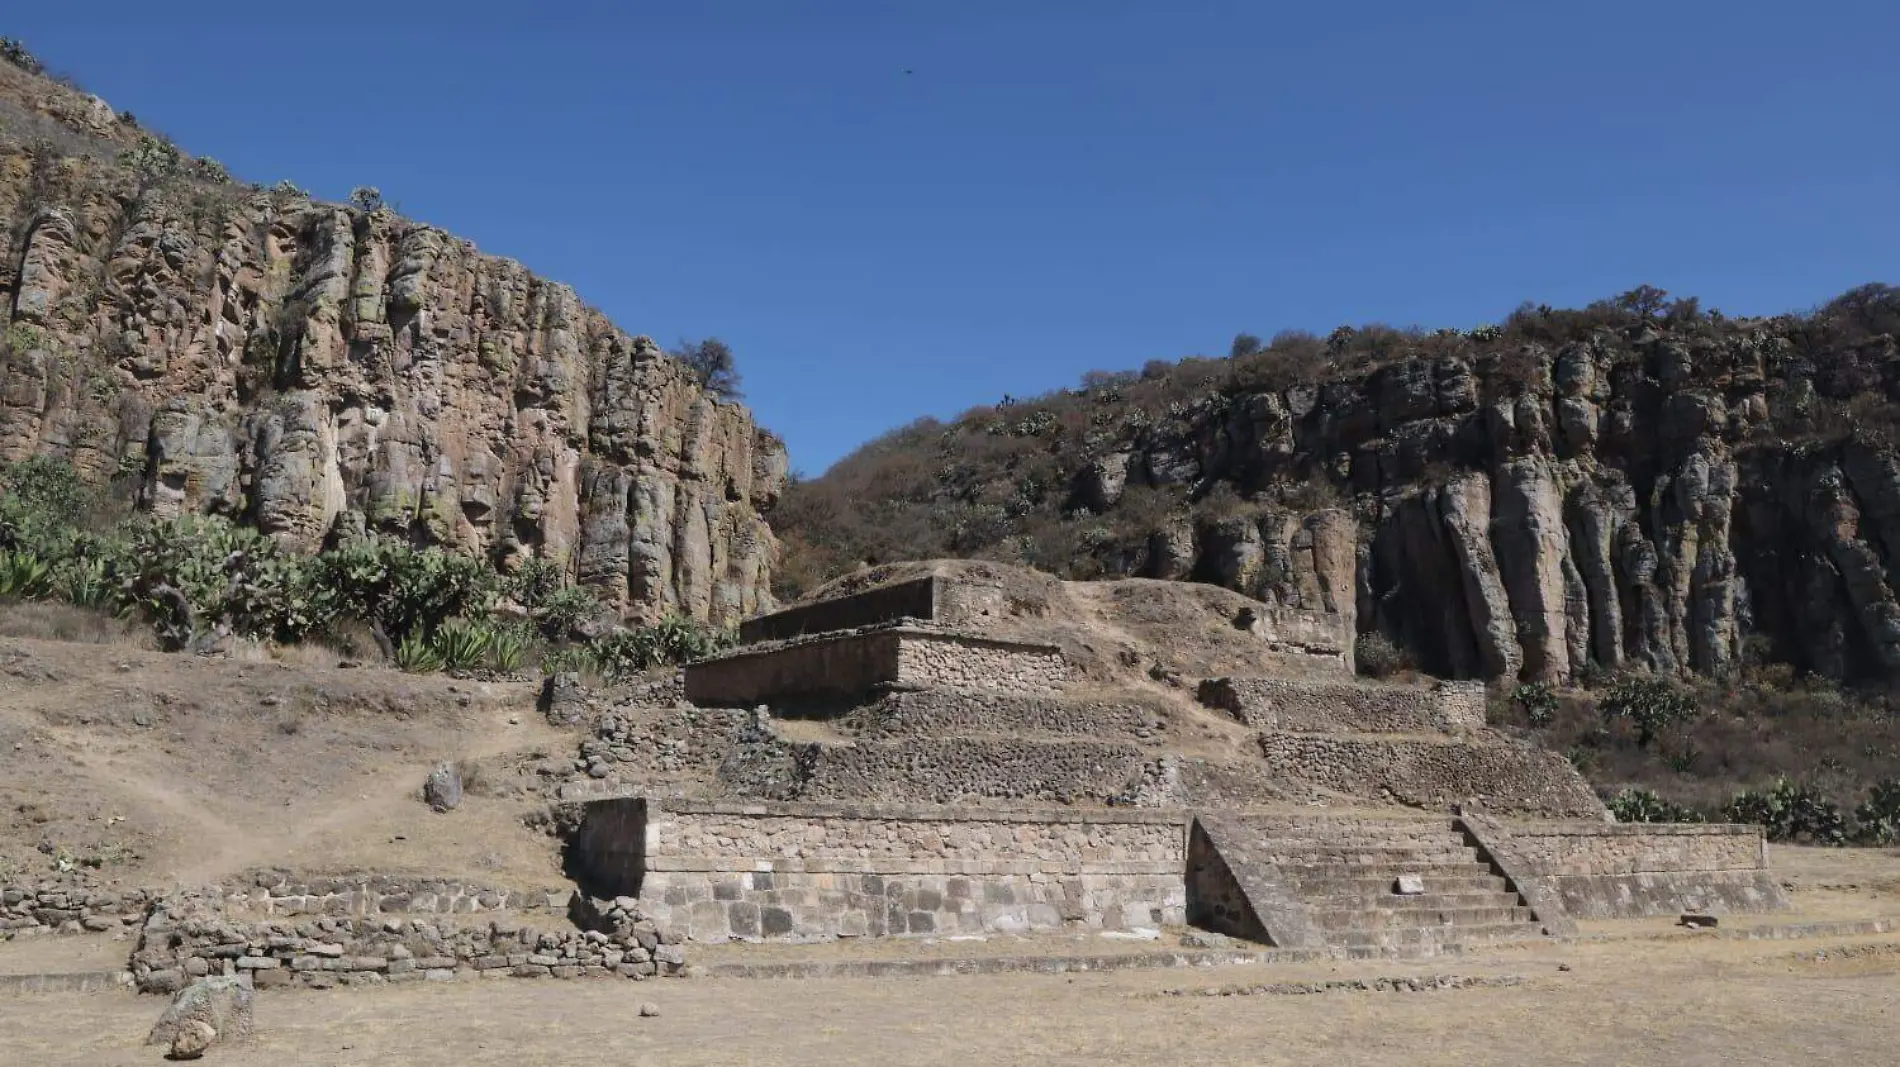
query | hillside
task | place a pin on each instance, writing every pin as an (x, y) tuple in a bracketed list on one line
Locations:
[(1640, 484), (316, 369)]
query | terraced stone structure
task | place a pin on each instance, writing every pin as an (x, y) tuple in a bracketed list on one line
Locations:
[(904, 744)]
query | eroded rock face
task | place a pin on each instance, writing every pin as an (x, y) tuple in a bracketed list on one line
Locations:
[(1631, 503), (307, 366)]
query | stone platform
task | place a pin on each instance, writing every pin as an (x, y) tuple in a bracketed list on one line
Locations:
[(849, 663), (722, 871)]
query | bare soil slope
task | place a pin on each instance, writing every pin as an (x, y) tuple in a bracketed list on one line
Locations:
[(160, 767)]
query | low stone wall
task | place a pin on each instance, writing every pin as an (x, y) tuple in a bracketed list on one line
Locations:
[(1596, 870), (810, 872), (849, 663), (1291, 704), (953, 712), (273, 893), (948, 770), (191, 935), (69, 906), (1496, 772)]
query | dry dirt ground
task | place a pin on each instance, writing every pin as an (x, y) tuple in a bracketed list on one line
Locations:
[(165, 768), (1685, 1003)]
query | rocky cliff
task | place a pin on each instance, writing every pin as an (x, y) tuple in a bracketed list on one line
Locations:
[(1640, 484), (312, 367)]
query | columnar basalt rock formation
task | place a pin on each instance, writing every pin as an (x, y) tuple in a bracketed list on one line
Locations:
[(312, 367)]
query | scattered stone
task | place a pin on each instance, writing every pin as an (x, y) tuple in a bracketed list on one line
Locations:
[(1409, 885), (648, 1009), (443, 790), (1696, 921), (1563, 966), (1206, 939)]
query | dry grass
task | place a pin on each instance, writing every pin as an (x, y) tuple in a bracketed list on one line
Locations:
[(54, 621)]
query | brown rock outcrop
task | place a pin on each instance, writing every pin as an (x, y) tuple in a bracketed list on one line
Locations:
[(309, 367)]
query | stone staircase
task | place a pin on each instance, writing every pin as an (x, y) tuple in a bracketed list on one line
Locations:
[(1332, 882)]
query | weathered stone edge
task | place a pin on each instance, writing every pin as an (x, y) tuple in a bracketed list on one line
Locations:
[(902, 629), (906, 812), (905, 865), (1546, 906)]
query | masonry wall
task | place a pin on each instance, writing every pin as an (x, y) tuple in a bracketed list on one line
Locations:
[(953, 712), (811, 872), (852, 662), (914, 599), (839, 665), (1628, 870), (1495, 772), (1291, 704), (930, 660)]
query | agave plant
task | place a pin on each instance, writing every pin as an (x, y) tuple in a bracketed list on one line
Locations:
[(509, 649), (417, 654), (463, 645), (24, 576), (88, 583)]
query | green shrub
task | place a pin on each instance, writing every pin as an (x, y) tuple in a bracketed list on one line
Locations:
[(89, 583), (417, 654), (153, 158), (1877, 818), (1641, 805), (14, 51), (24, 576), (509, 651), (622, 654), (190, 572), (1650, 703), (398, 588), (1538, 701), (1790, 811), (462, 645)]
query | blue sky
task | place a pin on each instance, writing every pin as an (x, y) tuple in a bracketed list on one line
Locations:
[(1059, 186)]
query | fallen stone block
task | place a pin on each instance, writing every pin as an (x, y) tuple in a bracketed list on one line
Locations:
[(221, 1004), (1409, 885)]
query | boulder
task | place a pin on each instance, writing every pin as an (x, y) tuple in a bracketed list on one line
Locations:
[(443, 789), (220, 1004)]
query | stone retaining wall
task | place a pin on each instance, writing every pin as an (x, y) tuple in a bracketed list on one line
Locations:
[(952, 770), (191, 934), (1596, 870), (811, 872), (286, 893), (849, 663), (69, 906), (952, 712), (1496, 772), (1290, 704)]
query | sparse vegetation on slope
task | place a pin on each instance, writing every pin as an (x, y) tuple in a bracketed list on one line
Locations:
[(194, 579)]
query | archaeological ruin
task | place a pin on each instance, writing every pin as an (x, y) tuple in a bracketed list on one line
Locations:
[(951, 753)]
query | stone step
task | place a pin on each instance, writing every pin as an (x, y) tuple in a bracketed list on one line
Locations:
[(1426, 901), (1436, 857), (1354, 841), (1391, 868), (1330, 918), (1312, 882), (1319, 829), (1418, 936)]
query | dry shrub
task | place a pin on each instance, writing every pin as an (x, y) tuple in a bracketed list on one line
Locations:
[(53, 621)]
